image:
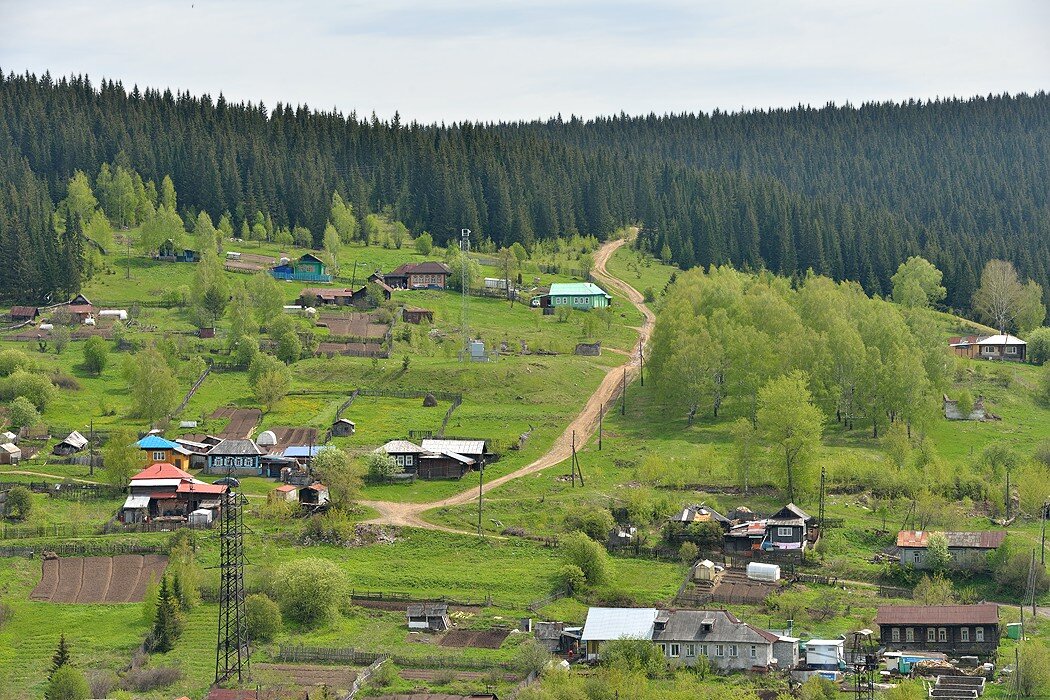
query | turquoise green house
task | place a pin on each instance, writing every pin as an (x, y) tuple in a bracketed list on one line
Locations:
[(578, 295), (308, 268)]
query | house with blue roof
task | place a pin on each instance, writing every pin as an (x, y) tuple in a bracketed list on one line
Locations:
[(576, 295), (301, 453), (161, 450)]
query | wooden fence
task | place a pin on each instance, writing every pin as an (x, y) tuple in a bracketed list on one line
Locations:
[(362, 678), (92, 547), (192, 391), (77, 529), (402, 597)]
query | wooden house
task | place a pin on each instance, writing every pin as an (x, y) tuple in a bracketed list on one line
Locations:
[(1002, 347), (73, 443), (159, 449), (361, 300), (344, 427), (412, 314), (728, 644), (434, 459), (429, 617), (308, 268), (169, 252), (233, 456), (21, 314), (10, 453), (964, 346), (164, 491), (969, 550), (576, 295), (788, 528), (951, 629), (323, 296), (406, 454), (425, 275)]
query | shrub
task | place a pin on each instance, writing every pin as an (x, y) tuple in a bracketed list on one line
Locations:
[(21, 413), (67, 683), (530, 657), (591, 558), (263, 617), (634, 656), (819, 688), (143, 680), (19, 503), (96, 354), (308, 589), (381, 467), (424, 243), (572, 578), (688, 553), (592, 521), (35, 387), (12, 359), (385, 675)]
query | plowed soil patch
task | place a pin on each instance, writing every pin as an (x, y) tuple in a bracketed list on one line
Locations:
[(479, 639), (121, 579)]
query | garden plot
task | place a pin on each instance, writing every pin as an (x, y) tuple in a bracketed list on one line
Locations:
[(353, 325), (478, 639), (242, 421), (120, 579)]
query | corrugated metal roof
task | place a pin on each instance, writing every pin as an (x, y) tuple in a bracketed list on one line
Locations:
[(162, 470), (460, 447), (136, 502), (689, 625), (580, 289), (76, 440), (982, 614), (401, 447), (1001, 340), (983, 539), (231, 446), (301, 451), (604, 624)]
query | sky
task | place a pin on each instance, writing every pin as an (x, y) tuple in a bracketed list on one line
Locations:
[(493, 60)]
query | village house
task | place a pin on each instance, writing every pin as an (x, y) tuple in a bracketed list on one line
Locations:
[(424, 275), (308, 268), (701, 514), (434, 459), (608, 624), (786, 530), (323, 296), (428, 617), (993, 347), (968, 550), (10, 453), (164, 491), (158, 449), (168, 252), (576, 295), (413, 314), (21, 314), (232, 456), (556, 637), (728, 643), (73, 443), (952, 629), (301, 454), (343, 427)]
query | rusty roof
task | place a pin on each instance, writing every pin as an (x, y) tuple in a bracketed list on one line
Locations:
[(984, 539), (982, 614)]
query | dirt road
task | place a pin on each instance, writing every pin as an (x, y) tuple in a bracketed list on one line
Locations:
[(410, 514)]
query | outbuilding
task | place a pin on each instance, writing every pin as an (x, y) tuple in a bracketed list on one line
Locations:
[(344, 427), (826, 654), (285, 492), (73, 443), (10, 453), (431, 617)]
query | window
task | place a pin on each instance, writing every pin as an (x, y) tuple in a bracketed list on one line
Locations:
[(895, 634), (732, 650), (931, 634), (978, 633), (1011, 350), (720, 650), (909, 634), (690, 650), (942, 635), (703, 650), (676, 651), (964, 634), (663, 649), (754, 651), (785, 532), (158, 455)]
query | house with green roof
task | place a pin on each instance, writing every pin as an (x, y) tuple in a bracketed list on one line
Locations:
[(576, 295)]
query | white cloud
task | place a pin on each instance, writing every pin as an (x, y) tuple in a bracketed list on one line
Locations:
[(488, 60)]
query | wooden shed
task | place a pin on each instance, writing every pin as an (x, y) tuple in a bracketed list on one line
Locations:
[(344, 427)]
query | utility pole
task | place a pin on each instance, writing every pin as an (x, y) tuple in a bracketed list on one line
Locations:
[(353, 278), (91, 448), (601, 412), (641, 363), (481, 492), (572, 461), (1008, 493), (128, 237), (1042, 537)]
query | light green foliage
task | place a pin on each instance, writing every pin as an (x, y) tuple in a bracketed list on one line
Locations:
[(381, 467), (96, 354), (1006, 303), (592, 521), (242, 320), (67, 683), (120, 457), (289, 347), (634, 656), (818, 688), (19, 503), (22, 413), (12, 359), (454, 259), (245, 351), (530, 657), (165, 224), (791, 426), (211, 288), (153, 386), (335, 470), (332, 243), (271, 386), (398, 234), (917, 283), (167, 196), (149, 602), (372, 230), (35, 387), (745, 451), (572, 578), (206, 233), (266, 298), (688, 553), (898, 445), (424, 243), (938, 558), (1010, 566), (79, 201), (1034, 675), (263, 617), (1030, 309), (309, 589), (60, 337), (342, 216), (1038, 350), (580, 550), (97, 228), (964, 402), (937, 590)]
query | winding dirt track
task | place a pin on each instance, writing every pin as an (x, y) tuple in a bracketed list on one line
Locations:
[(410, 514)]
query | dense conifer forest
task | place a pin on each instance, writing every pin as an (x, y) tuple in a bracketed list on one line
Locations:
[(849, 192)]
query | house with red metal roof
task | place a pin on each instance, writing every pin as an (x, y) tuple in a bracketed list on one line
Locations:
[(968, 550), (162, 491), (952, 629)]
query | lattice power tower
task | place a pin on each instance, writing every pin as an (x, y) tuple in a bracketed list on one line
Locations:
[(231, 651)]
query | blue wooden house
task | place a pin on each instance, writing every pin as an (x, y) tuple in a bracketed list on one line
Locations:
[(168, 252), (239, 457), (308, 268)]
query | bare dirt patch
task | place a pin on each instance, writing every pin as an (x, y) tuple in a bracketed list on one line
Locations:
[(479, 639), (242, 421), (353, 325), (120, 579), (287, 437), (309, 676)]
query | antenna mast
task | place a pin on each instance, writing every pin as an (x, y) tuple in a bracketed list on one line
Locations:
[(464, 285)]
